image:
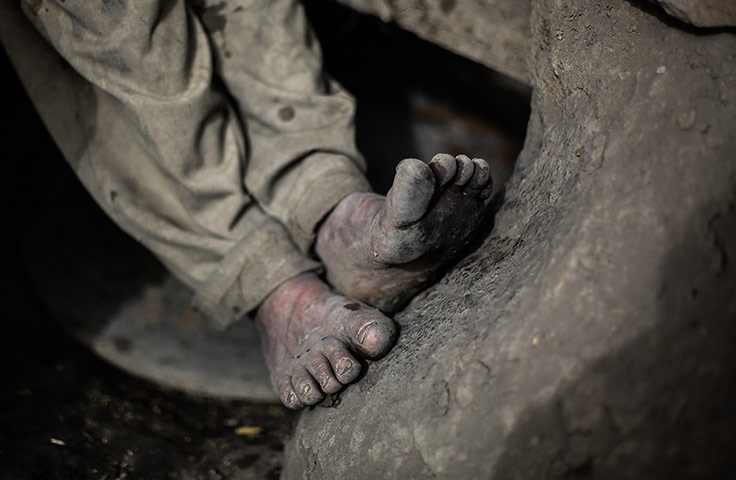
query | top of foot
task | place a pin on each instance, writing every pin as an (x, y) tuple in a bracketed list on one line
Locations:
[(313, 339)]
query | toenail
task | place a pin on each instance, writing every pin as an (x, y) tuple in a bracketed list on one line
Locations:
[(306, 389), (325, 380), (363, 332), (290, 398), (343, 366)]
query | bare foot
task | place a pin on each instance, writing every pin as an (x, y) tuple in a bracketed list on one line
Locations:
[(311, 337), (383, 250)]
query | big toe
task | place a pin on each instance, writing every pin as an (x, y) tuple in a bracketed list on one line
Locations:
[(411, 192), (374, 335)]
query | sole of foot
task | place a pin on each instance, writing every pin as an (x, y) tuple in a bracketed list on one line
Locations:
[(384, 250)]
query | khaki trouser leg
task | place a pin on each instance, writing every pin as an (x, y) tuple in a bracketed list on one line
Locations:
[(302, 158), (126, 91)]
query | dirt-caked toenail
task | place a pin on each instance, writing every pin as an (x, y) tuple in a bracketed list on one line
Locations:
[(325, 380), (305, 389), (363, 332), (343, 366), (290, 398)]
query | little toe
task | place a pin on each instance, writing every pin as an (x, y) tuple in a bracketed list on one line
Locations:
[(345, 366), (287, 394), (486, 193), (321, 371), (465, 170), (306, 388), (444, 167), (374, 335), (411, 192), (481, 178)]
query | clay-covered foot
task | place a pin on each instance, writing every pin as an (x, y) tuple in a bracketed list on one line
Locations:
[(384, 250), (312, 339)]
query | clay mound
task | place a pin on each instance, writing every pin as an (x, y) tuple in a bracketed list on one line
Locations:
[(592, 334)]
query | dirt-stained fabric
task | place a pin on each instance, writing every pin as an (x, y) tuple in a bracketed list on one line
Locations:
[(206, 130)]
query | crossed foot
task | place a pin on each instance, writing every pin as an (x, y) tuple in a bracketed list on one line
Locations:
[(378, 251)]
